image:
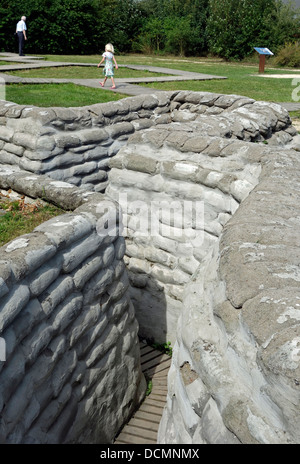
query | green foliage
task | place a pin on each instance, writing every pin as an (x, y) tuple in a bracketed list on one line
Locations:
[(227, 28), (178, 34), (70, 26), (173, 26), (242, 79), (149, 387), (164, 348), (235, 27), (21, 218), (68, 95), (54, 26), (152, 37), (289, 55), (125, 20)]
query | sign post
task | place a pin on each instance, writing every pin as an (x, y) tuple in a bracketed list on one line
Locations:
[(262, 57)]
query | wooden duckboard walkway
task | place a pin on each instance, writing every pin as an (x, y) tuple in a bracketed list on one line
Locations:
[(143, 426)]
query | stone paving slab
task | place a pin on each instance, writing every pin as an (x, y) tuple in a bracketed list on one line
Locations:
[(280, 76), (8, 56), (291, 106), (124, 86)]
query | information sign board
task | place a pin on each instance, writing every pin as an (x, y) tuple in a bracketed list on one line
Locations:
[(263, 51)]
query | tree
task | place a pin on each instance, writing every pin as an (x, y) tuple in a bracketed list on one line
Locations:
[(56, 26), (123, 20), (174, 26), (178, 34), (227, 28), (234, 27), (153, 37)]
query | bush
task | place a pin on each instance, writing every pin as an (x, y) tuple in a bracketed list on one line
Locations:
[(152, 38), (70, 26), (59, 26), (289, 55), (173, 26), (178, 34), (235, 27)]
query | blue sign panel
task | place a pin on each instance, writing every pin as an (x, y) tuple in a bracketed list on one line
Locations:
[(263, 51)]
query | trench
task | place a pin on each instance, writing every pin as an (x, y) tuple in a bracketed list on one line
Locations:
[(155, 155)]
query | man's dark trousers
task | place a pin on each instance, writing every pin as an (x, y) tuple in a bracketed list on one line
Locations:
[(21, 43)]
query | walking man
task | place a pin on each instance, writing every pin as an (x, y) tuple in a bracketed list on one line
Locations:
[(21, 32)]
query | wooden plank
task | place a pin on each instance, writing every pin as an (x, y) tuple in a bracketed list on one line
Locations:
[(158, 384), (143, 424), (152, 355), (157, 362), (154, 402), (162, 369), (159, 388), (145, 346), (160, 376), (139, 432), (160, 379), (145, 349), (151, 409), (162, 395), (130, 439), (159, 396), (147, 416), (161, 399)]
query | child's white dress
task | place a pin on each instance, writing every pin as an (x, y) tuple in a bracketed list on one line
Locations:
[(108, 70)]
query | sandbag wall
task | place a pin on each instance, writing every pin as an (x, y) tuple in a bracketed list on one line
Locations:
[(229, 297), (71, 372), (193, 147), (75, 144), (178, 184), (235, 367)]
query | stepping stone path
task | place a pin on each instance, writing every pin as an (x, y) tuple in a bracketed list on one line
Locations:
[(124, 86)]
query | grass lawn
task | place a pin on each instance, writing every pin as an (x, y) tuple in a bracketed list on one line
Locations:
[(273, 90), (66, 95), (242, 79), (79, 72), (20, 218), (6, 63)]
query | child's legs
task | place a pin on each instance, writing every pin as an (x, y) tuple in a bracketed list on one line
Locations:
[(113, 82)]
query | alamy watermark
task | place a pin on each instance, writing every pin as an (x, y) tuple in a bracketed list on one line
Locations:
[(2, 349), (176, 219), (296, 91), (2, 89)]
